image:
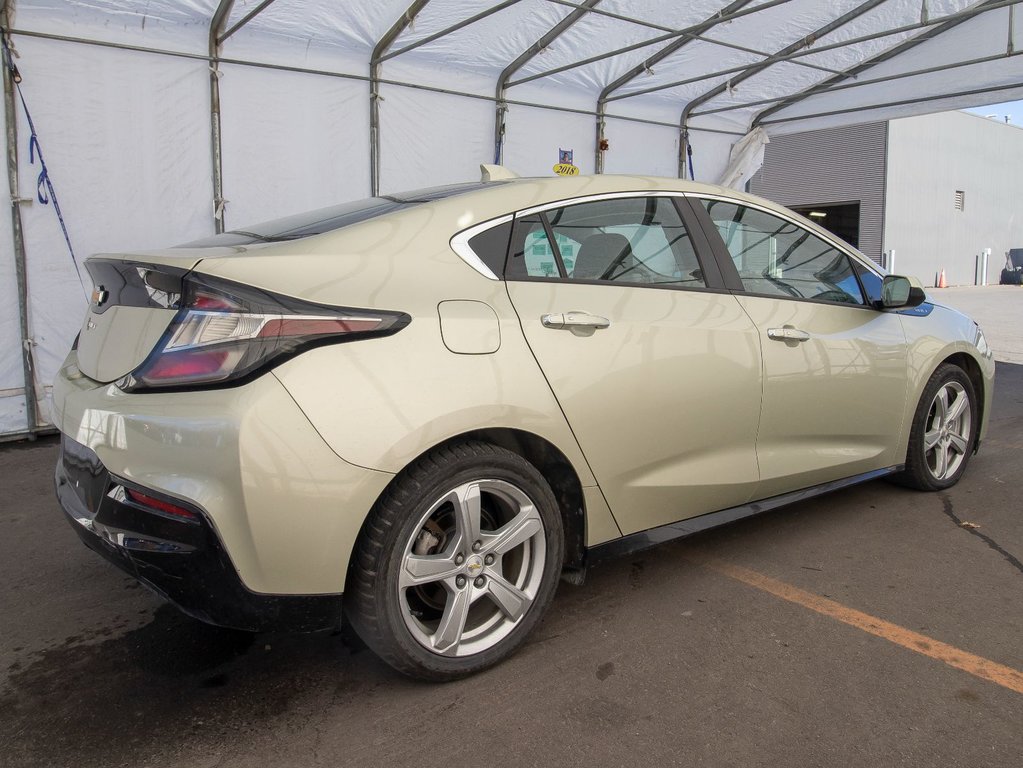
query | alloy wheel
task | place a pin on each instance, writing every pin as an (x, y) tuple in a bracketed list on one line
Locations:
[(947, 431), (472, 567)]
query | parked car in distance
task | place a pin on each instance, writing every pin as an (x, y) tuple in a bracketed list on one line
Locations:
[(421, 410)]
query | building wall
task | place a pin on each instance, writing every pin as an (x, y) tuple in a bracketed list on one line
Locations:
[(929, 158), (834, 165)]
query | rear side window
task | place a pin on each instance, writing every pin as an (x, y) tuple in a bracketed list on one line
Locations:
[(634, 240), (532, 254), (491, 246), (776, 257)]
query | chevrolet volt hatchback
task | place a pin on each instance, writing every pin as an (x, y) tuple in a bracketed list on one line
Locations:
[(424, 409)]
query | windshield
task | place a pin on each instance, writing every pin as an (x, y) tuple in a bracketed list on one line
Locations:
[(334, 217)]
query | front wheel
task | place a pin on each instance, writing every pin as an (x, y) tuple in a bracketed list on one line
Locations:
[(457, 562), (944, 431)]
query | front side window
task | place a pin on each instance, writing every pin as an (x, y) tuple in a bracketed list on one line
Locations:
[(635, 240), (776, 257), (870, 281)]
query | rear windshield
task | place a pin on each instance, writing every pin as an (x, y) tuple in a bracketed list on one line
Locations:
[(334, 217)]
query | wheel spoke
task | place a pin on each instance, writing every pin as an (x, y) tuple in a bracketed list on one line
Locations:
[(512, 601), (466, 500), (942, 402), (941, 459), (423, 569), (524, 526), (931, 439), (957, 407), (958, 444), (452, 623)]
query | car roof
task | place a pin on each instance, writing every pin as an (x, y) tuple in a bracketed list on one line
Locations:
[(521, 193)]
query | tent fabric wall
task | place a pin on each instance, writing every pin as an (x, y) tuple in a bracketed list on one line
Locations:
[(411, 155), (125, 137), (429, 138), (535, 136), (291, 143), (651, 150), (12, 396), (127, 134)]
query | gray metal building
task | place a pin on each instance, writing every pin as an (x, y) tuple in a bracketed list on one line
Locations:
[(920, 194)]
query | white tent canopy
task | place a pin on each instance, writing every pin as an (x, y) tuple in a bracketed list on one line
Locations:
[(163, 121)]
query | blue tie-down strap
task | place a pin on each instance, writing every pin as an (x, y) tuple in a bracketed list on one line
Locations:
[(43, 181), (45, 193)]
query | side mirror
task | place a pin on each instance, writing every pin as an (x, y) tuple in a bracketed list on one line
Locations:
[(897, 291)]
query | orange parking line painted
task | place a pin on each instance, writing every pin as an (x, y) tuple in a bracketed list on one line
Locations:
[(1007, 677)]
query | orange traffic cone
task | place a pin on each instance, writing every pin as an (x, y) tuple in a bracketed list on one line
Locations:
[(941, 279)]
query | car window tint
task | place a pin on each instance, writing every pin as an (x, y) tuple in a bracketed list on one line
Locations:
[(568, 249), (628, 240), (531, 254), (491, 246), (779, 258), (870, 281)]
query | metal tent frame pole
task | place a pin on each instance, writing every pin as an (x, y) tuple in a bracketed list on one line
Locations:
[(20, 261), (341, 76), (831, 84), (501, 91), (244, 20), (448, 30), (803, 42), (902, 102), (672, 32), (375, 59), (725, 14), (670, 35), (794, 57), (217, 24), (857, 84)]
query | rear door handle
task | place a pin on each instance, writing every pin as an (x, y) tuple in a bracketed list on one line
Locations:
[(787, 334), (574, 320)]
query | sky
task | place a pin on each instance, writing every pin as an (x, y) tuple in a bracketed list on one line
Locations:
[(1014, 109)]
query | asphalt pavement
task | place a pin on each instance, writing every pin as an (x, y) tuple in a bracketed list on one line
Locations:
[(876, 626)]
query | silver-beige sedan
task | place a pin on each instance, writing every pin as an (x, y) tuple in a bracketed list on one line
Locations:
[(421, 410)]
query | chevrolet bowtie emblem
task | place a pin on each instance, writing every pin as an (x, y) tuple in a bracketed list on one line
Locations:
[(99, 295)]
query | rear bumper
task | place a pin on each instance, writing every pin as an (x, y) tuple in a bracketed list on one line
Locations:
[(182, 560), (283, 509)]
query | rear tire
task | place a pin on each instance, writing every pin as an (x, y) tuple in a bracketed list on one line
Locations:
[(944, 431), (456, 563)]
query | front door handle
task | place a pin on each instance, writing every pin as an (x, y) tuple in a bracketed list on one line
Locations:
[(787, 334), (574, 320)]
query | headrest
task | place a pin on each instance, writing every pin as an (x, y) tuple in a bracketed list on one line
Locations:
[(600, 251)]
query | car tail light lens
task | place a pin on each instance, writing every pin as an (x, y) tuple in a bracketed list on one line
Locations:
[(226, 332)]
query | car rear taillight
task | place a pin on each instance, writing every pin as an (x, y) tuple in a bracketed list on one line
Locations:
[(226, 332)]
